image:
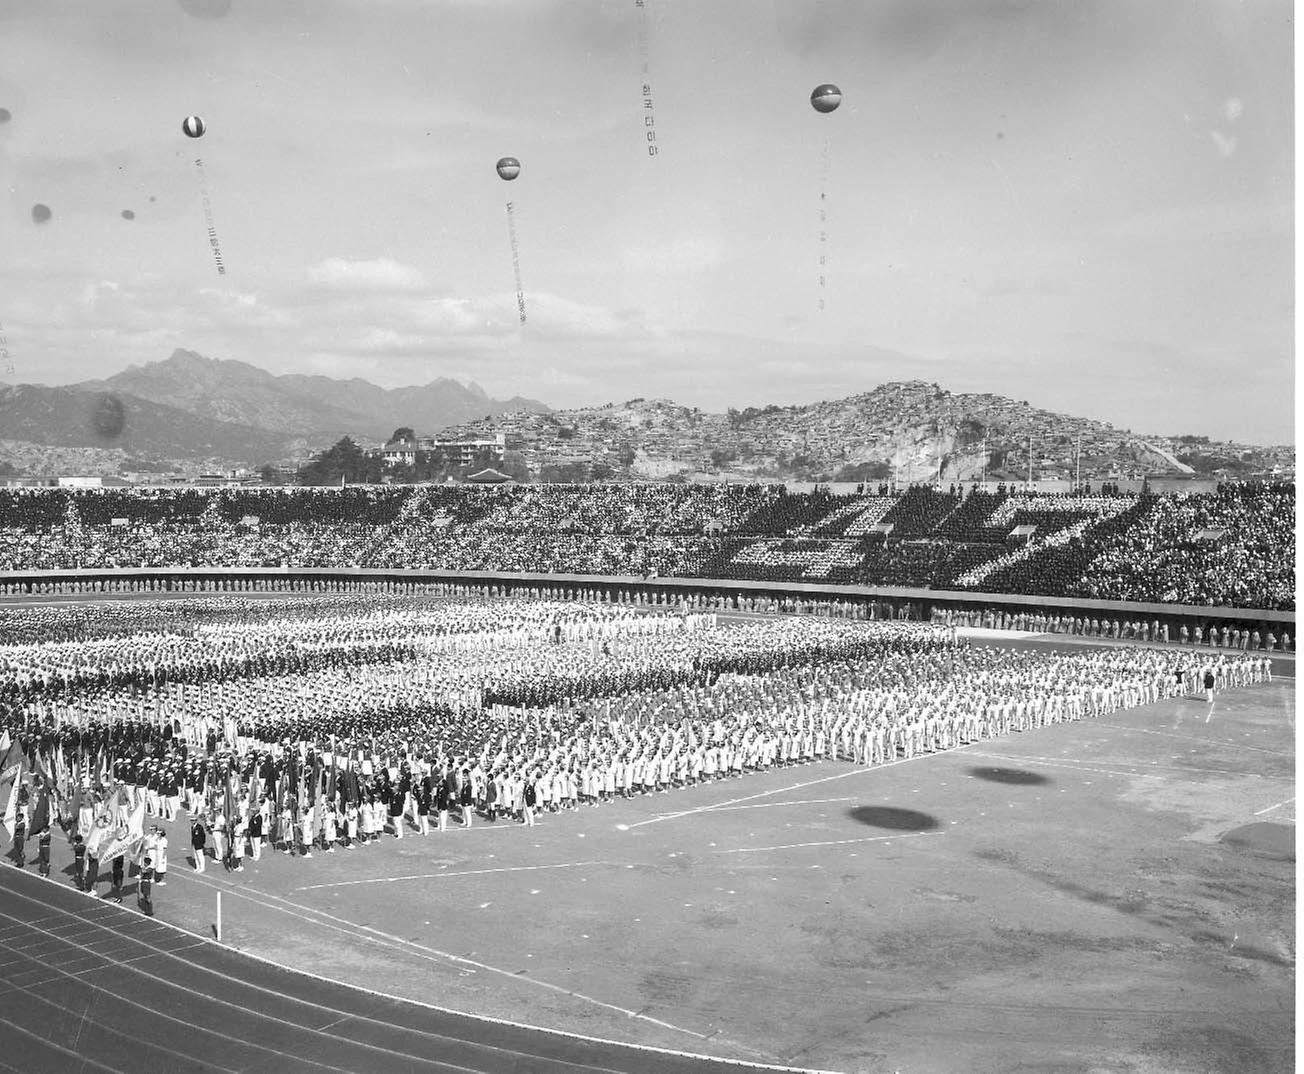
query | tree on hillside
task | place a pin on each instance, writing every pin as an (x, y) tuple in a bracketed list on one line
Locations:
[(514, 465), (270, 474), (403, 432), (566, 473), (864, 471), (343, 461)]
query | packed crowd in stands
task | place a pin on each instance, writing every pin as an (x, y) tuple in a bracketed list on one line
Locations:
[(504, 708), (1228, 548)]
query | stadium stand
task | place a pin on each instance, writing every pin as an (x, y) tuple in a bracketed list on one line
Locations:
[(1231, 549)]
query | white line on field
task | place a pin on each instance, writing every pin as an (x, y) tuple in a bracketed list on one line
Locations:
[(772, 805), (831, 842), (463, 872), (1190, 738), (1050, 764), (321, 918), (1272, 807), (799, 786)]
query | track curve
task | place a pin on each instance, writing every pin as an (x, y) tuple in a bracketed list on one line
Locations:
[(87, 983)]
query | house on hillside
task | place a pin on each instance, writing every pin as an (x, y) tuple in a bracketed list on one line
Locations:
[(461, 451), (399, 453)]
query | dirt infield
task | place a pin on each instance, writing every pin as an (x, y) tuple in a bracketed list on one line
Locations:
[(1109, 895)]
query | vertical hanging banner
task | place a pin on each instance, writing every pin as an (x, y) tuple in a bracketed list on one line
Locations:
[(644, 52), (823, 232), (516, 262), (6, 362)]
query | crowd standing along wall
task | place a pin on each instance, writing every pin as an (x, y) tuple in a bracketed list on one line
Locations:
[(1247, 629)]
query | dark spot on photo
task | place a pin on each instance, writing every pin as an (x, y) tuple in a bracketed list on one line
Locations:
[(109, 418)]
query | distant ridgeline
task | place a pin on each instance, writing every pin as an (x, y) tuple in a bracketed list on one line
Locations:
[(1229, 548)]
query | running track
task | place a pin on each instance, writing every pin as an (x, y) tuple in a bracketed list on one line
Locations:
[(88, 985)]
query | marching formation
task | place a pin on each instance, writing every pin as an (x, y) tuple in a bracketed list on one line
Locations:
[(330, 727)]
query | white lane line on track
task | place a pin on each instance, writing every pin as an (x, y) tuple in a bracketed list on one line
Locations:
[(1272, 807), (351, 986), (462, 872), (799, 786), (775, 805), (299, 1059), (831, 842)]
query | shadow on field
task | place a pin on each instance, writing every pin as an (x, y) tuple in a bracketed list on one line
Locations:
[(898, 820), (1264, 837), (1019, 776)]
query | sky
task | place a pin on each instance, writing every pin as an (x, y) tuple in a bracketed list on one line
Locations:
[(1087, 204)]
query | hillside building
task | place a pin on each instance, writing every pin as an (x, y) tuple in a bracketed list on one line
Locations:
[(459, 452)]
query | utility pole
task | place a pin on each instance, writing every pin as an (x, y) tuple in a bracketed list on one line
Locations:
[(984, 462), (1030, 462), (1078, 481)]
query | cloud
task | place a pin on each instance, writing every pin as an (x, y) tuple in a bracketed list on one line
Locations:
[(1226, 143), (689, 253), (1211, 221), (91, 293), (382, 274)]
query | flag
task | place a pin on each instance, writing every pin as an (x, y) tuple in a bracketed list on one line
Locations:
[(127, 836), (42, 768), (10, 818), (41, 814), (12, 764), (74, 809)]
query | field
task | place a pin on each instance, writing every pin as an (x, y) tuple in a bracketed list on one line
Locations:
[(1107, 895)]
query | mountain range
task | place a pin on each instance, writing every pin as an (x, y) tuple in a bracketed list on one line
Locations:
[(194, 413), (189, 407)]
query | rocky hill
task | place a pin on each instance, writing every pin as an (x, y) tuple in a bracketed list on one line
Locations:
[(200, 413), (910, 429)]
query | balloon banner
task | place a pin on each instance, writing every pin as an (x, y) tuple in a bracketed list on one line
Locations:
[(825, 100), (6, 362)]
